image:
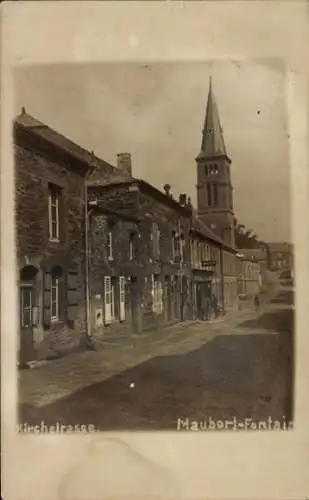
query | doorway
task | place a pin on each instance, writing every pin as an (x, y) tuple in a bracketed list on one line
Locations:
[(27, 309), (168, 298), (134, 304)]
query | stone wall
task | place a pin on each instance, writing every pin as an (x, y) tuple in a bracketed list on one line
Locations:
[(34, 170)]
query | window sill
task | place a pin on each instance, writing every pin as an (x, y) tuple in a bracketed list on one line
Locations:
[(114, 321), (110, 259), (54, 240)]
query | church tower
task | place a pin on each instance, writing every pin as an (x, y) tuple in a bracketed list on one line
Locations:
[(214, 186)]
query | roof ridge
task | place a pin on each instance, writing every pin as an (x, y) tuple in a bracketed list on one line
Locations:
[(50, 134)]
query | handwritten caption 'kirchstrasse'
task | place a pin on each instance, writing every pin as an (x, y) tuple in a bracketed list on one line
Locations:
[(210, 424), (57, 428)]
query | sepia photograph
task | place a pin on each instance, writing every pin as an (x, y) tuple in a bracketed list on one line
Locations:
[(154, 248)]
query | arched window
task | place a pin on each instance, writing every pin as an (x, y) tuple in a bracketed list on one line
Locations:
[(156, 239), (28, 309)]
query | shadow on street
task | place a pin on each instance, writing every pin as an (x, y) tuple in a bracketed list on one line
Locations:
[(230, 376)]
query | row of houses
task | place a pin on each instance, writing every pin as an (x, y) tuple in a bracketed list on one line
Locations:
[(100, 252)]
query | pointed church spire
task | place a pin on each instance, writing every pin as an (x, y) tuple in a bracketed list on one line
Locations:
[(212, 140)]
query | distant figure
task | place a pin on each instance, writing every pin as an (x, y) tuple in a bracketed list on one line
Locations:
[(257, 303)]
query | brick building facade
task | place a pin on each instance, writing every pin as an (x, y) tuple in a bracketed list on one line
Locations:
[(50, 173), (146, 247), (250, 279)]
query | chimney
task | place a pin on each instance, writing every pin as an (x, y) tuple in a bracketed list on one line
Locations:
[(167, 189), (23, 110), (183, 199), (124, 163)]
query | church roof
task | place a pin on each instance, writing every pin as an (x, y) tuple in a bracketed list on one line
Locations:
[(259, 254), (212, 140), (199, 226)]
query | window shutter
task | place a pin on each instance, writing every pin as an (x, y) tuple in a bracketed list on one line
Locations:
[(73, 295), (158, 235), (46, 300), (153, 292), (110, 244), (107, 300), (122, 312), (160, 298)]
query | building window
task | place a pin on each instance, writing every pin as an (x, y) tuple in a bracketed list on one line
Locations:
[(181, 247), (215, 192), (191, 252), (156, 241), (157, 295), (113, 294), (132, 246), (54, 297), (209, 197), (110, 245), (26, 306), (54, 193), (109, 307), (174, 245), (122, 311)]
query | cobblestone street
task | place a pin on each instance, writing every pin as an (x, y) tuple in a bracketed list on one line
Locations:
[(232, 367)]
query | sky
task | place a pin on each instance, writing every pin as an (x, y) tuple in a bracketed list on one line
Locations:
[(156, 113)]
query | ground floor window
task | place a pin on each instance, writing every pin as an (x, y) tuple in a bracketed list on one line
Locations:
[(54, 298), (122, 298), (55, 281), (114, 299), (157, 294), (26, 305)]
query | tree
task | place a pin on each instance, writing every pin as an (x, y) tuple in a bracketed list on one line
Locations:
[(246, 238)]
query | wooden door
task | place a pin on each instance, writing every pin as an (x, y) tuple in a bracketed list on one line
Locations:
[(27, 349)]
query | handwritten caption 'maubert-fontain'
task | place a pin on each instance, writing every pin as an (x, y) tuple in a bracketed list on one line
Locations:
[(210, 424)]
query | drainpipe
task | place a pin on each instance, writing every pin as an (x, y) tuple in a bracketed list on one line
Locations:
[(222, 280), (180, 269), (87, 212)]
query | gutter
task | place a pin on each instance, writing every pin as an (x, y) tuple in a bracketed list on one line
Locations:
[(222, 281), (87, 291)]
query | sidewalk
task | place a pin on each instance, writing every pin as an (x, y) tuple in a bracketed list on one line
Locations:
[(53, 380)]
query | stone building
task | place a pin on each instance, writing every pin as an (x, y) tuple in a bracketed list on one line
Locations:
[(250, 277), (214, 271), (50, 173), (205, 261), (259, 255), (146, 247), (280, 256)]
